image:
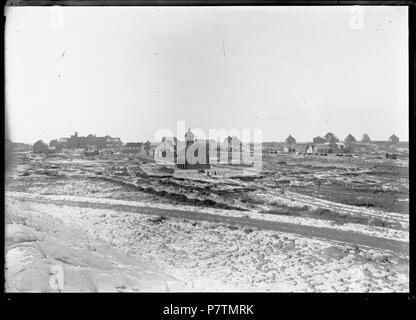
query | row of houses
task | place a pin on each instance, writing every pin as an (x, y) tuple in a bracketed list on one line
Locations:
[(329, 143), (42, 147), (349, 139), (184, 154), (171, 150), (319, 148), (321, 145)]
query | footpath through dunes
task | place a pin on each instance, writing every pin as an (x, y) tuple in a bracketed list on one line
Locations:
[(242, 219)]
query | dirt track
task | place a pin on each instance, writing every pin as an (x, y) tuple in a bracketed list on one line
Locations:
[(306, 231)]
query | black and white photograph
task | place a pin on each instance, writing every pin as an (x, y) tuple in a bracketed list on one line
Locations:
[(206, 149)]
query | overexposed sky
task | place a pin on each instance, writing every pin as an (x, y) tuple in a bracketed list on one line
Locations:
[(129, 71)]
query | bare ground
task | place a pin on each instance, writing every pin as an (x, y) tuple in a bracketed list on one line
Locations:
[(130, 225)]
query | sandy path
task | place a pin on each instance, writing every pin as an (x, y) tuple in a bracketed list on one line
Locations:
[(303, 230)]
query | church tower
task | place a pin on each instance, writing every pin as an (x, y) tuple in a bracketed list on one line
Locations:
[(189, 138)]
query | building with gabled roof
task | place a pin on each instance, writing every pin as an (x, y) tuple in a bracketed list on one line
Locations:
[(302, 148), (290, 140), (193, 155), (394, 139), (365, 138), (318, 140), (166, 150), (133, 147), (323, 148), (349, 139), (330, 137), (40, 147)]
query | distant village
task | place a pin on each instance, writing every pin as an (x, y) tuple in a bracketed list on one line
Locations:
[(329, 143), (170, 148), (91, 145), (175, 151)]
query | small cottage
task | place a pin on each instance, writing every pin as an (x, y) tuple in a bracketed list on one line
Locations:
[(323, 148), (91, 151), (330, 137), (52, 151), (234, 148), (317, 140), (165, 151), (365, 138), (394, 139), (56, 145), (339, 147), (132, 147), (290, 140), (289, 149), (302, 148), (349, 139), (40, 147), (311, 150)]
